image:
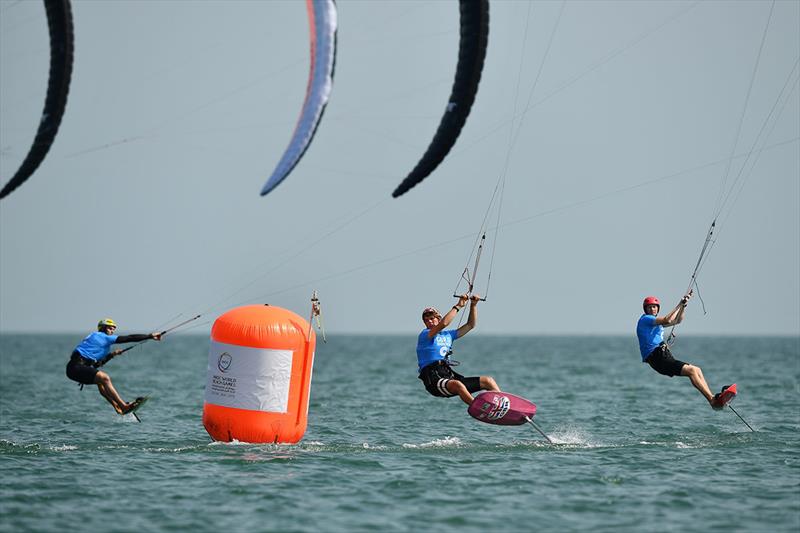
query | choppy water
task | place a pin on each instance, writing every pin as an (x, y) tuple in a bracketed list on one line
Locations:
[(635, 451)]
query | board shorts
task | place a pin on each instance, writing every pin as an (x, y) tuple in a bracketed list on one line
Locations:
[(81, 369), (436, 375), (661, 361)]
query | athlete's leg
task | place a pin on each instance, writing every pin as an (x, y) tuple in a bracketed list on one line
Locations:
[(696, 376), (103, 382), (456, 387), (488, 383)]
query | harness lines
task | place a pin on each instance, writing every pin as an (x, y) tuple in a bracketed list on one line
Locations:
[(707, 245), (731, 193)]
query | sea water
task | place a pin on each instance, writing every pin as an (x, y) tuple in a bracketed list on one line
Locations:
[(635, 451)]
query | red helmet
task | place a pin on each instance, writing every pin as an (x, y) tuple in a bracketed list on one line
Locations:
[(651, 300)]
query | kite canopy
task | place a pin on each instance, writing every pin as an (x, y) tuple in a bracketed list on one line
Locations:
[(59, 21), (471, 54), (322, 23)]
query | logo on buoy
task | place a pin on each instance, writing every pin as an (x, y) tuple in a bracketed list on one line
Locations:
[(224, 362)]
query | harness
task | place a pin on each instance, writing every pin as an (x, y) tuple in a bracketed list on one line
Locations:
[(77, 358)]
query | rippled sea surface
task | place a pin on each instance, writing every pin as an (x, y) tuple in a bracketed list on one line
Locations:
[(635, 451)]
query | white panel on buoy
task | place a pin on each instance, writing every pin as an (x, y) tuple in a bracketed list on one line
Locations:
[(248, 378)]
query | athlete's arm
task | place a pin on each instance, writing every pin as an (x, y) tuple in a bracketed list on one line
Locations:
[(448, 317), (137, 337), (473, 316), (675, 317)]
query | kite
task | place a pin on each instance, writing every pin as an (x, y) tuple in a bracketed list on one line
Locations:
[(59, 21), (474, 37), (322, 23)]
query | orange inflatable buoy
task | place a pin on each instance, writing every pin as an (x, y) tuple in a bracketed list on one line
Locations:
[(259, 375)]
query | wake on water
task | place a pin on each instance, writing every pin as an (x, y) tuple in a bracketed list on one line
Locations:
[(563, 438)]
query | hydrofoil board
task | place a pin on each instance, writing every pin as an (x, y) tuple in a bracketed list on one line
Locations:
[(501, 408), (724, 397), (137, 404)]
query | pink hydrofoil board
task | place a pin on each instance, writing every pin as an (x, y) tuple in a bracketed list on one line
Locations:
[(501, 408)]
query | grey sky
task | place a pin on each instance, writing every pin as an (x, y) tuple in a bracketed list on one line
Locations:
[(147, 205)]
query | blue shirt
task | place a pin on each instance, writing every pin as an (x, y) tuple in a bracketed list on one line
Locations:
[(650, 334), (96, 345), (435, 349)]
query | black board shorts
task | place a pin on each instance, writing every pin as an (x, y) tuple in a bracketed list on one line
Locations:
[(661, 361), (436, 375), (81, 369)]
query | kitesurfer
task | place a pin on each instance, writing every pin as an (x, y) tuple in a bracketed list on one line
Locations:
[(93, 351), (433, 353), (656, 353)]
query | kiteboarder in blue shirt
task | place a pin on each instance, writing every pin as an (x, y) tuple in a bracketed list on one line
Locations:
[(655, 352), (434, 346), (93, 352)]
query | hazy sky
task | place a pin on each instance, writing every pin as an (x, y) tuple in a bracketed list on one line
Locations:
[(147, 206)]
